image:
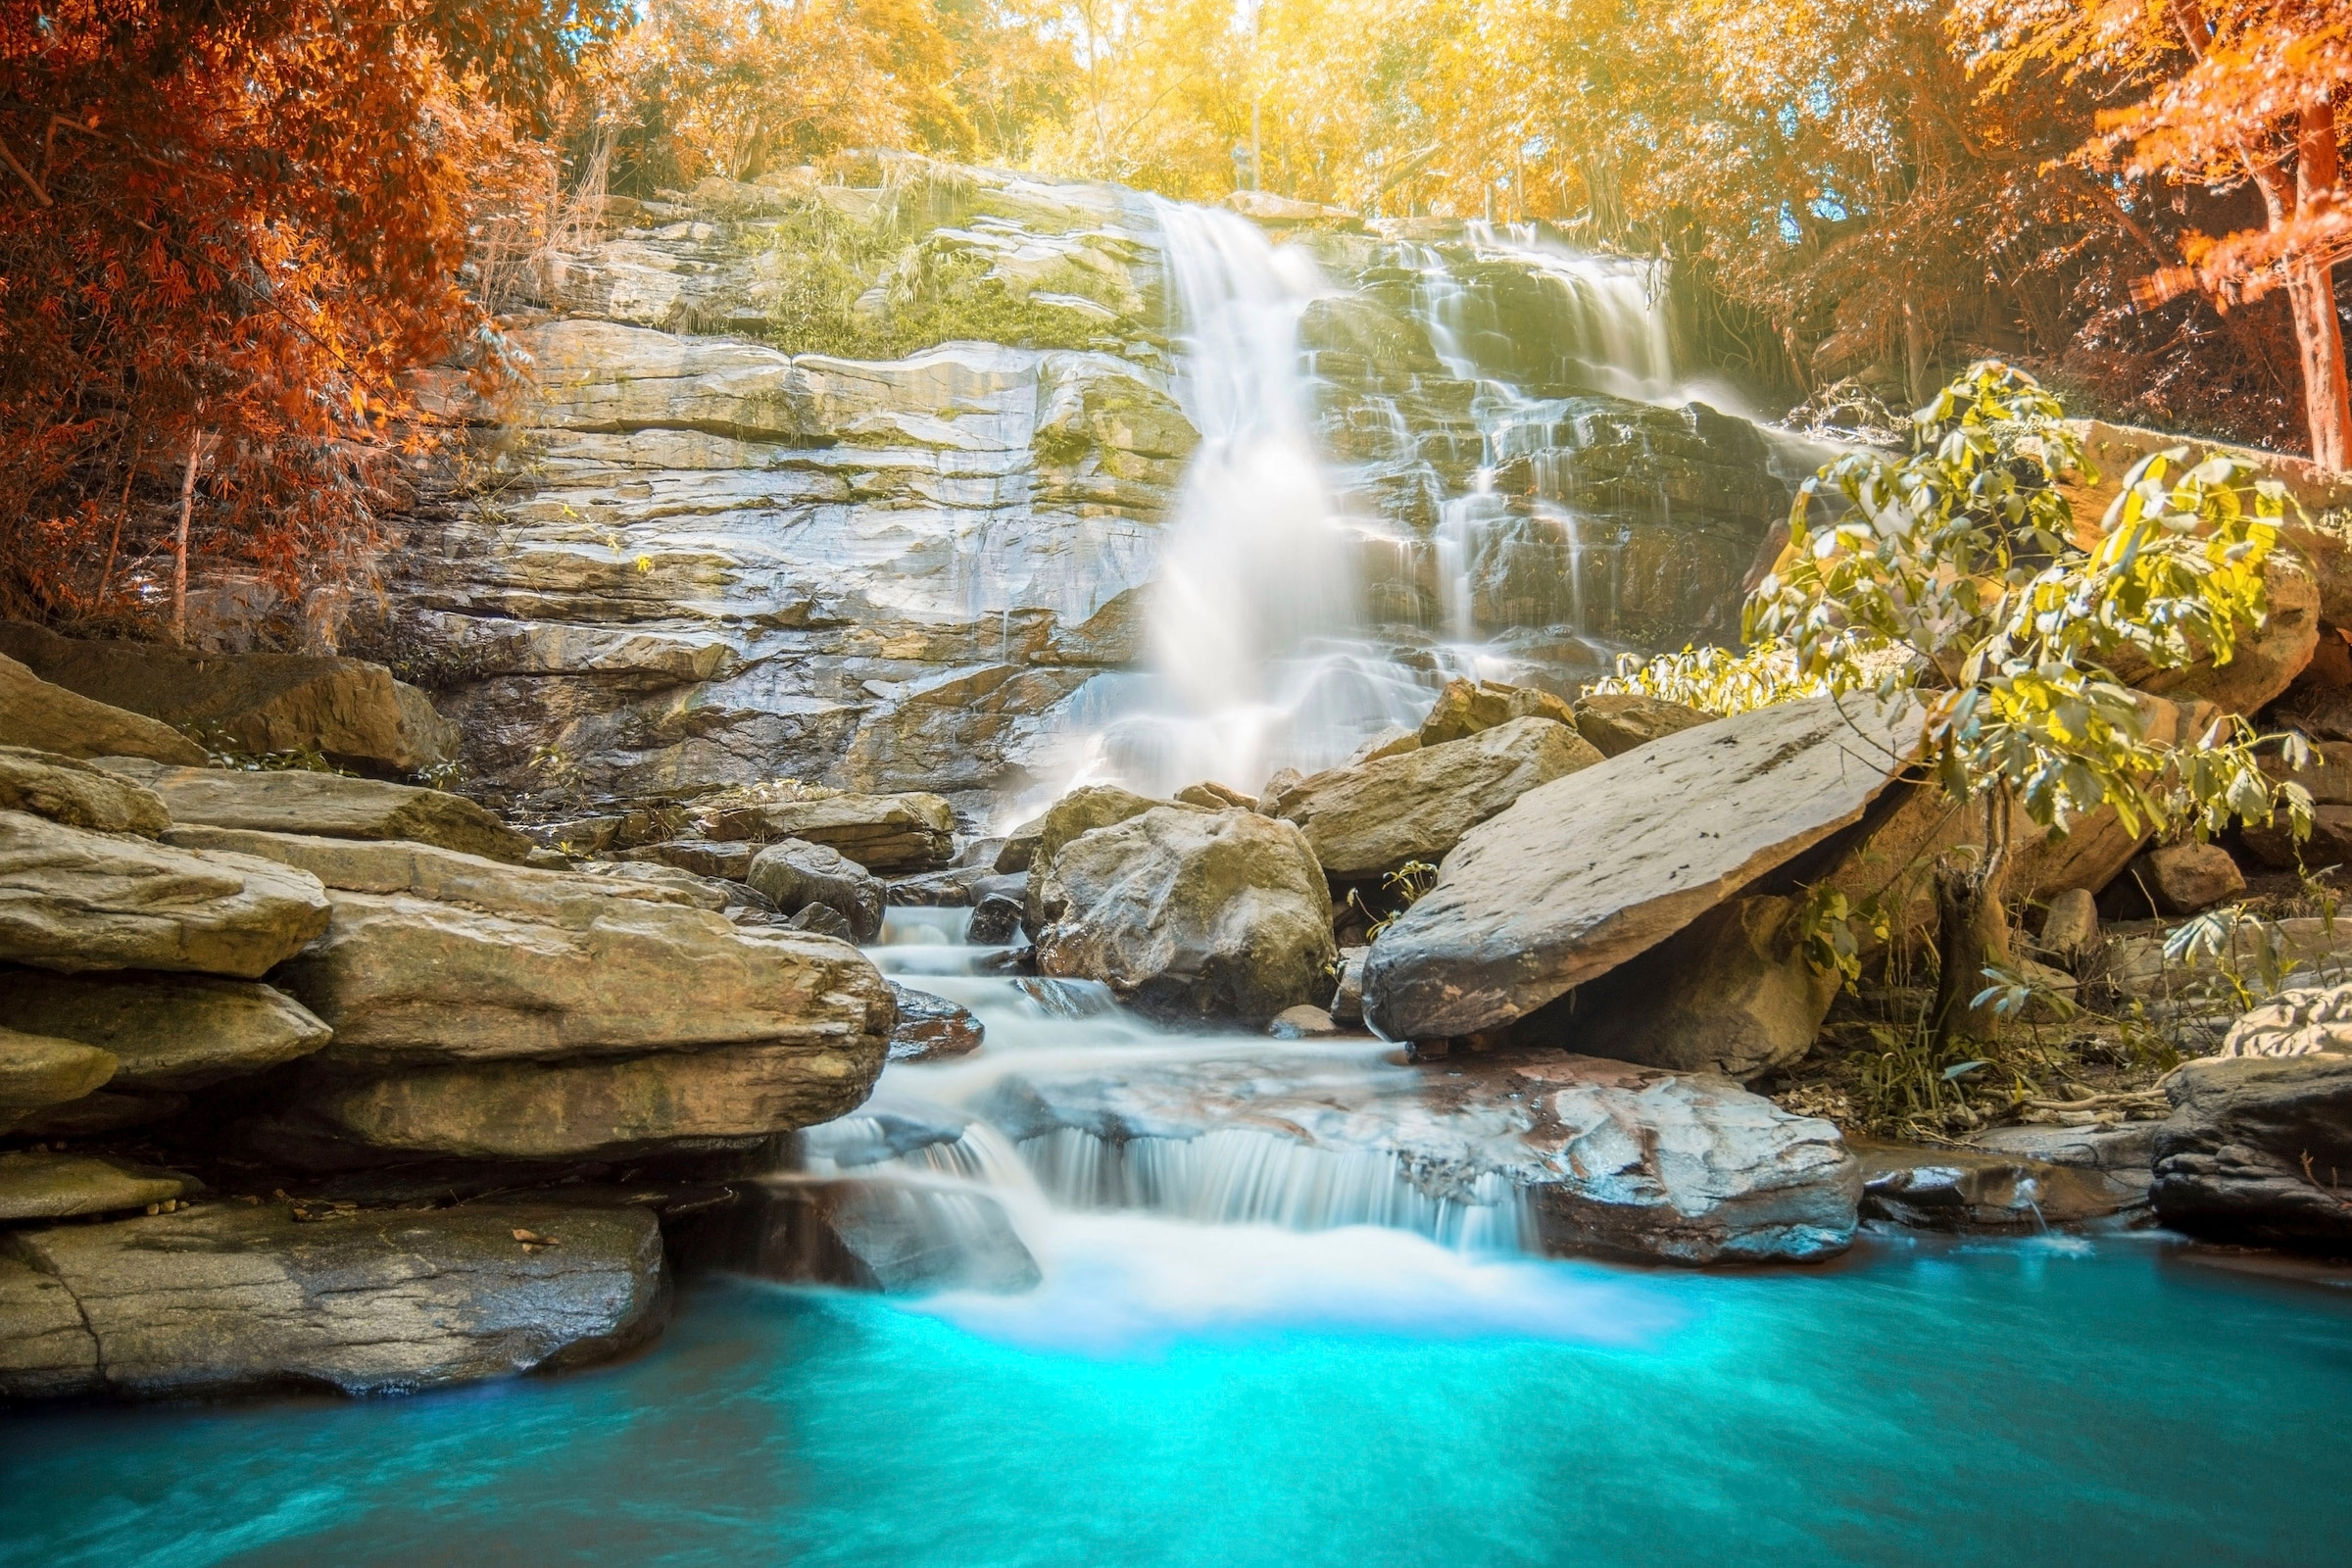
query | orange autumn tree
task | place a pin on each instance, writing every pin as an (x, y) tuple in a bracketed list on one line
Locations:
[(225, 231), (2237, 92)]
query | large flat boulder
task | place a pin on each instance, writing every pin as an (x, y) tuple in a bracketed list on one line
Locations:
[(165, 1031), (1416, 806), (228, 1298), (1191, 915), (2259, 1150), (328, 805), (72, 901), (733, 1095), (1582, 873), (74, 793), (45, 717), (888, 833), (352, 711), (409, 980), (1554, 1152), (354, 866), (41, 1184)]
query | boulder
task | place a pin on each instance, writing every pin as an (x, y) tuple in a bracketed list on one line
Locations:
[(931, 1028), (71, 900), (2266, 661), (795, 874), (886, 833), (165, 1031), (57, 1186), (351, 712), (1544, 1152), (1467, 706), (723, 1097), (1190, 914), (2276, 845), (728, 859), (358, 866), (2181, 879), (42, 1070), (328, 805), (668, 884), (996, 922), (1416, 806), (1731, 992), (45, 717), (1616, 723), (77, 794), (2259, 1150), (1394, 742), (1080, 812), (1582, 873), (822, 919), (230, 1298), (2299, 1021), (408, 980), (1211, 796), (2071, 926)]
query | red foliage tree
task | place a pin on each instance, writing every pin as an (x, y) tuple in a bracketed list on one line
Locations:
[(225, 231)]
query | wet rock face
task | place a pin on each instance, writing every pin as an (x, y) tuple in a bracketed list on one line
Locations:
[(891, 1236), (715, 560), (2259, 1150), (1571, 1154), (230, 1299)]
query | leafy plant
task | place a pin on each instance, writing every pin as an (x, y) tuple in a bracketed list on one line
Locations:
[(1408, 885), (1951, 581)]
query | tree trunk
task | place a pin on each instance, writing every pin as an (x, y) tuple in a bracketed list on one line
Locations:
[(2311, 294), (1973, 923), (1915, 354), (180, 545)]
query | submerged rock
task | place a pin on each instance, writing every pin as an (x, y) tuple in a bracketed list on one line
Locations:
[(931, 1028), (165, 1031), (1416, 806), (2259, 1150), (328, 805), (887, 1236), (1190, 914), (45, 717), (352, 711), (72, 900), (1972, 1190), (1567, 1154), (228, 1298), (1582, 873)]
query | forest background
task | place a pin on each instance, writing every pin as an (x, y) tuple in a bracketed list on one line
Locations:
[(227, 229)]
